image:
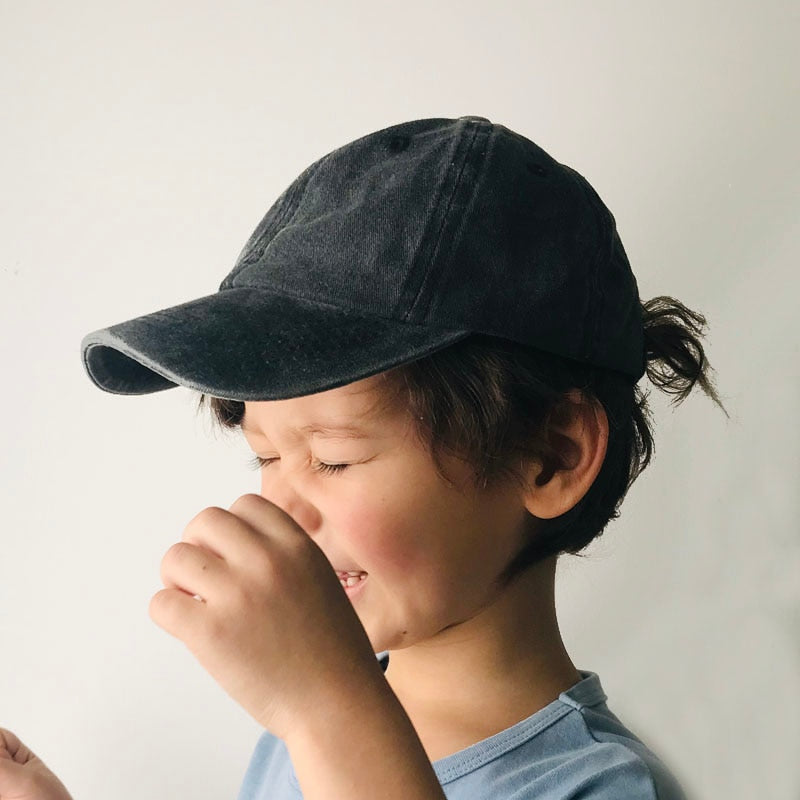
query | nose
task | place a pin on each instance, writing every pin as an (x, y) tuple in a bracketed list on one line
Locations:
[(279, 491)]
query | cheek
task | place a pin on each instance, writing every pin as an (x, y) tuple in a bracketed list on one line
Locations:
[(381, 534)]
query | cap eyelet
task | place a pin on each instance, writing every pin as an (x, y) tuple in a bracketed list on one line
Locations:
[(537, 169), (399, 143)]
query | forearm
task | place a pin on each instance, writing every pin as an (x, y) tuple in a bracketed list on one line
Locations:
[(362, 744)]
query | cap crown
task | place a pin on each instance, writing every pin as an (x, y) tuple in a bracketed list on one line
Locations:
[(454, 224)]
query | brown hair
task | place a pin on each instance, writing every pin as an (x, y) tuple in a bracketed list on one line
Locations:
[(492, 402)]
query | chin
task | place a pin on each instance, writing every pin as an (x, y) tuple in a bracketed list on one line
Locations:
[(387, 640)]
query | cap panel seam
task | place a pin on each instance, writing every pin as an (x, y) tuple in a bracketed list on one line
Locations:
[(590, 329), (289, 206), (605, 253), (424, 297), (426, 277)]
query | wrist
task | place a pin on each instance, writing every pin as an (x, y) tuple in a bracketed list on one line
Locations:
[(342, 700), (359, 737)]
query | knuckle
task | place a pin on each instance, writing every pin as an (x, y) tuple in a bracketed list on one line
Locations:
[(157, 605), (302, 548), (248, 500), (210, 516), (177, 553)]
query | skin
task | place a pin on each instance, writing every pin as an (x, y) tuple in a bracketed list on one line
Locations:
[(467, 659), (253, 594), (23, 775)]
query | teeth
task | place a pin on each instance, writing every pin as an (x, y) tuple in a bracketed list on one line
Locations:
[(352, 578)]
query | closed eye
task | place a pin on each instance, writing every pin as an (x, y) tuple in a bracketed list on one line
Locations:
[(257, 462)]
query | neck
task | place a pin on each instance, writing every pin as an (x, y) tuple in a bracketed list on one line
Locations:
[(489, 672)]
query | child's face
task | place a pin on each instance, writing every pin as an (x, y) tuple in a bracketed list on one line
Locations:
[(431, 552)]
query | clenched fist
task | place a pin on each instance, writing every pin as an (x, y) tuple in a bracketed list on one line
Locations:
[(259, 605)]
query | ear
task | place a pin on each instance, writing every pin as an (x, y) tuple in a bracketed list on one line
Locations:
[(580, 429)]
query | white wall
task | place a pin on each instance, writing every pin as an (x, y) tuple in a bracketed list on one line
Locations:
[(140, 143)]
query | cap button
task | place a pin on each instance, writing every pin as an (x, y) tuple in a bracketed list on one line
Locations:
[(475, 119)]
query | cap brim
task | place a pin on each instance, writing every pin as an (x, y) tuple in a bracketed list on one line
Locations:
[(249, 344)]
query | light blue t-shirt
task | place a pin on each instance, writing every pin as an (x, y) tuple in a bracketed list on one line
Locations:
[(572, 748)]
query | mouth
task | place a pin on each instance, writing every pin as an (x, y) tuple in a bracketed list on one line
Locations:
[(351, 582)]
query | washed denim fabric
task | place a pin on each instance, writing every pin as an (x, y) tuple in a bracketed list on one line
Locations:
[(575, 747), (384, 250)]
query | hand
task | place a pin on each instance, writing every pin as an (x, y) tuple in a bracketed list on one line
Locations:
[(259, 605), (24, 776)]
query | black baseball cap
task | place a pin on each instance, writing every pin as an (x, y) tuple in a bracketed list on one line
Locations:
[(389, 248)]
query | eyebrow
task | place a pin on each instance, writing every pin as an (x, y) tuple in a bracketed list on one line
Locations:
[(327, 431)]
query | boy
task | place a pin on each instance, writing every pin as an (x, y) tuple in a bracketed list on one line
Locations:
[(431, 342)]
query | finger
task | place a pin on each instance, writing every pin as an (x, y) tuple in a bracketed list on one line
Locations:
[(240, 535), (192, 569), (204, 529), (11, 747), (266, 518), (177, 613), (225, 535)]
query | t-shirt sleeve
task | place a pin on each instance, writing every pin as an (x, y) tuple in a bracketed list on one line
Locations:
[(269, 774), (607, 772), (626, 779)]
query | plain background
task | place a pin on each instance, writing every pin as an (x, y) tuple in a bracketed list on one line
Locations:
[(141, 143)]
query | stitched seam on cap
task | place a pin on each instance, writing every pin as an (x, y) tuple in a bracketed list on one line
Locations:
[(590, 329), (291, 203), (590, 348), (432, 259), (446, 267)]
